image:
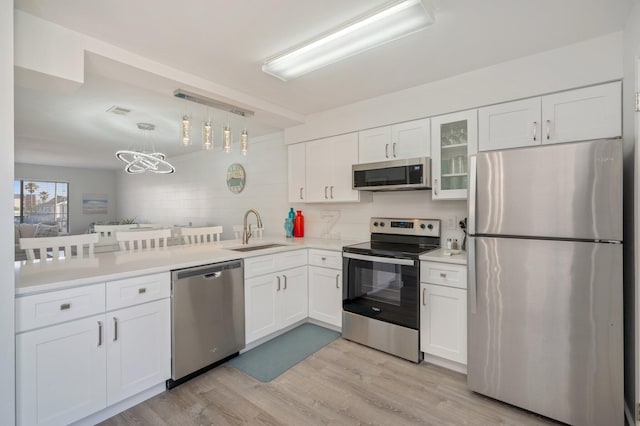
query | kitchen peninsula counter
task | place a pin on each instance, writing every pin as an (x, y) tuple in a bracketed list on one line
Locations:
[(39, 276)]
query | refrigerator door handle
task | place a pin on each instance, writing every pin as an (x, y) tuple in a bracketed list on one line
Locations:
[(471, 275), (471, 196)]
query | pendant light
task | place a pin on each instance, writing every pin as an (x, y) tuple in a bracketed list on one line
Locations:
[(244, 141), (207, 133), (186, 130), (226, 138)]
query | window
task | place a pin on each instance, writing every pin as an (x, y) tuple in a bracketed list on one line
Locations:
[(38, 201)]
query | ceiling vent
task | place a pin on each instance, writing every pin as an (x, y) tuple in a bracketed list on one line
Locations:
[(119, 110)]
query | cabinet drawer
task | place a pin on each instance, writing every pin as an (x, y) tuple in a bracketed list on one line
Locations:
[(260, 265), (133, 291), (447, 274), (55, 307), (325, 258)]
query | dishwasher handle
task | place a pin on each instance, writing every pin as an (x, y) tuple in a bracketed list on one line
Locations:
[(207, 271)]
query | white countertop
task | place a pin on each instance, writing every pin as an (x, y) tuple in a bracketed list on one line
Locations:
[(35, 276), (445, 256)]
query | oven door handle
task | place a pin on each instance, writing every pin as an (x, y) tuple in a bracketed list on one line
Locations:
[(390, 260)]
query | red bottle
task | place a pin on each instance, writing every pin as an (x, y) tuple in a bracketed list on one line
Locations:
[(298, 225)]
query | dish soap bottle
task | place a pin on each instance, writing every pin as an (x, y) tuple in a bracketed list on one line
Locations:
[(298, 225)]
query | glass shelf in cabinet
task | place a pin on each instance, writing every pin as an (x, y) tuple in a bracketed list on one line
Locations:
[(453, 174), (459, 145)]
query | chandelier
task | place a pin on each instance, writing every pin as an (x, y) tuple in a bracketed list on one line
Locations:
[(142, 161)]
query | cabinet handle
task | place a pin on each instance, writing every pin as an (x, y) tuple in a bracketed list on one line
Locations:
[(424, 302), (285, 281), (337, 280), (331, 191), (443, 275), (548, 125), (278, 277), (65, 306), (325, 192), (323, 258), (115, 329), (386, 150), (435, 186), (99, 333), (535, 130), (142, 290), (394, 150), (301, 193)]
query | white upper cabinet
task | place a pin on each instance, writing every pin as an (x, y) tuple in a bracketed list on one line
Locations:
[(454, 137), (328, 169), (399, 141), (509, 125), (589, 113), (297, 173)]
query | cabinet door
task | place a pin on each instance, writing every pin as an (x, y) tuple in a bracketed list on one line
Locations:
[(509, 125), (296, 172), (582, 114), (345, 155), (411, 139), (60, 372), (374, 145), (260, 307), (454, 137), (138, 349), (293, 296), (325, 295), (443, 322), (319, 170)]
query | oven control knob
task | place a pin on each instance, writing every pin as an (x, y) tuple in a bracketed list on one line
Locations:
[(422, 226), (382, 224), (430, 226), (375, 223)]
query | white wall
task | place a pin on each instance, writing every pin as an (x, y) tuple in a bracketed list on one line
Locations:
[(631, 54), (81, 181), (197, 191), (7, 285), (589, 62)]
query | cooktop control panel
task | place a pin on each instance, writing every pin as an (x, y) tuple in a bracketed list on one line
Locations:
[(420, 227)]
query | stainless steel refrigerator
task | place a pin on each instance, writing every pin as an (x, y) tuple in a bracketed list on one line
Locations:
[(545, 280)]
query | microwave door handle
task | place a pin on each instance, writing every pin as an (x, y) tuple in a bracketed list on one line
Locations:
[(390, 260)]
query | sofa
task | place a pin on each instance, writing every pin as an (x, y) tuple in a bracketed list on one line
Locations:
[(32, 230)]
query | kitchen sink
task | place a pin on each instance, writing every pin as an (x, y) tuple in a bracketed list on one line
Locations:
[(259, 247)]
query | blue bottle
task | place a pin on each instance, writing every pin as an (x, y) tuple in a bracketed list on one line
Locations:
[(292, 214)]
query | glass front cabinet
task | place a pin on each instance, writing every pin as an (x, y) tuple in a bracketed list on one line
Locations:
[(454, 137)]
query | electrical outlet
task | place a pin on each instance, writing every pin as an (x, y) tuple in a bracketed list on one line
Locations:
[(451, 224)]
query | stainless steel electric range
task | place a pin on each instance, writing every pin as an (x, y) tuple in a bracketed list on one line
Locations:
[(381, 280)]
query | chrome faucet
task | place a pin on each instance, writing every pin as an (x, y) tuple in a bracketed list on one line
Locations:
[(246, 230)]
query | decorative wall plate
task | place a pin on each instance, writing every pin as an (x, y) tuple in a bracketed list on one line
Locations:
[(236, 178)]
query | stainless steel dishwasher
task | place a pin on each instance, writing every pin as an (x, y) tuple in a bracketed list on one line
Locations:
[(207, 318)]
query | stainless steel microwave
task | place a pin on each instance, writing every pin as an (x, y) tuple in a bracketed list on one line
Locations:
[(395, 175)]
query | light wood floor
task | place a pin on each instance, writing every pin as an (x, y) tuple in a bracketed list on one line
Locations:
[(342, 384)]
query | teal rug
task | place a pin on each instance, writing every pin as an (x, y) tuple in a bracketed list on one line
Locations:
[(271, 359)]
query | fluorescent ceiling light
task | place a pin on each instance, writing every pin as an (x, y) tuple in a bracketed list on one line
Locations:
[(377, 28)]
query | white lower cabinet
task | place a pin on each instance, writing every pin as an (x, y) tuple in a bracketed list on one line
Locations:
[(60, 372), (325, 295), (443, 313), (274, 301), (138, 349), (443, 322), (71, 368)]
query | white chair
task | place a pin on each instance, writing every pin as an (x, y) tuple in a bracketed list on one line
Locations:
[(144, 239), (256, 233), (73, 246), (201, 235), (107, 233)]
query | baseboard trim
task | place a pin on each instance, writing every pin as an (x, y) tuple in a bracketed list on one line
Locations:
[(441, 362), (121, 406)]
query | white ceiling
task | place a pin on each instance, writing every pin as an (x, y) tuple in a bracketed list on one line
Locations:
[(226, 41)]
